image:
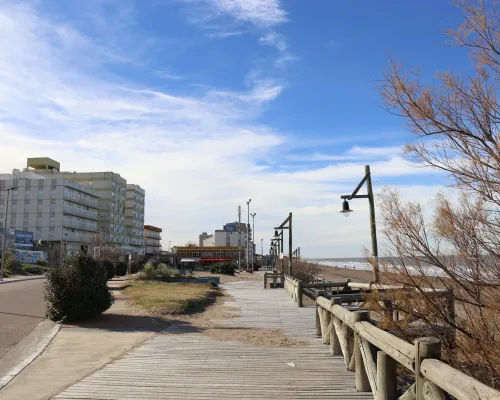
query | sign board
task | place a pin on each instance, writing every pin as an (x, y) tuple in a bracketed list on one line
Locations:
[(281, 256), (97, 251), (23, 239), (15, 238)]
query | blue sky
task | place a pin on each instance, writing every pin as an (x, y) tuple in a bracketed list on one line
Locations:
[(206, 103)]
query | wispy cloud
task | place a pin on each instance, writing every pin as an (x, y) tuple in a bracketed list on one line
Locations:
[(274, 39), (59, 99), (262, 13)]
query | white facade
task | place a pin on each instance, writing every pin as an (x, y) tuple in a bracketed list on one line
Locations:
[(134, 217), (223, 238), (208, 242), (55, 210)]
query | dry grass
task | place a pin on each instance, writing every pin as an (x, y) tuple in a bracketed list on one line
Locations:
[(163, 298)]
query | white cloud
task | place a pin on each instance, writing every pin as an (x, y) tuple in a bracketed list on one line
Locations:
[(262, 13), (274, 39), (197, 156)]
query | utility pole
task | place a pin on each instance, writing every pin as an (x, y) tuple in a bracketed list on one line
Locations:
[(261, 252), (248, 232), (239, 237)]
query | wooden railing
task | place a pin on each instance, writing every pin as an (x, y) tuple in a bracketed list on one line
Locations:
[(373, 354), (275, 277)]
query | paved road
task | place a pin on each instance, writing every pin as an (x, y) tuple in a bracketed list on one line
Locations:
[(21, 308)]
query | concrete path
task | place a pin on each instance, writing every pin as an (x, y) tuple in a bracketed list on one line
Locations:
[(183, 363), (79, 350)]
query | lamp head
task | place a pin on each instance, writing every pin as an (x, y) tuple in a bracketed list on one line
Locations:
[(345, 208)]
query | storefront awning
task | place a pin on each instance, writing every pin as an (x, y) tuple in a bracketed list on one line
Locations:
[(188, 260)]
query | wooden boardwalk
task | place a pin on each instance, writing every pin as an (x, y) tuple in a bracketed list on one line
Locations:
[(182, 363)]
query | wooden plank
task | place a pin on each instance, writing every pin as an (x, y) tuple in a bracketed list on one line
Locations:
[(456, 383), (432, 392), (403, 352), (183, 363), (370, 367), (341, 331)]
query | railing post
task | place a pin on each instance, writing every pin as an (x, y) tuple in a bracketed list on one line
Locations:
[(362, 382), (274, 281), (425, 347), (299, 294), (386, 377), (318, 321), (265, 280), (325, 331), (335, 349)]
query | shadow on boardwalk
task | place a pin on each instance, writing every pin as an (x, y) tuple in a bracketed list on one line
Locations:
[(185, 363)]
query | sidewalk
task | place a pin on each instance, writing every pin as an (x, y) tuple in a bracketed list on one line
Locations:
[(20, 278), (80, 349)]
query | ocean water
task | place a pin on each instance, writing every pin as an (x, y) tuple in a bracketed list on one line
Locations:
[(362, 264), (350, 263)]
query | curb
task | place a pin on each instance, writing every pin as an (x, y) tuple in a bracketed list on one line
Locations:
[(23, 279), (27, 361)]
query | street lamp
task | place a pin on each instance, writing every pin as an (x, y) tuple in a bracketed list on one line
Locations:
[(253, 235), (373, 229), (5, 230), (345, 208), (248, 231)]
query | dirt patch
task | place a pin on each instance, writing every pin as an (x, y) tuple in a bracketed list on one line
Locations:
[(204, 323), (238, 276), (253, 336)]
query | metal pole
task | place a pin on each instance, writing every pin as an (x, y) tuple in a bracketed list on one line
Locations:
[(282, 251), (253, 235), (239, 237), (290, 250), (261, 252), (248, 233), (4, 233), (373, 228)]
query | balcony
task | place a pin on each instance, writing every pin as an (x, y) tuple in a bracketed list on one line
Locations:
[(79, 225), (79, 237), (81, 213), (80, 200)]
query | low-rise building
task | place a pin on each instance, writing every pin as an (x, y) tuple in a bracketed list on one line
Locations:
[(152, 240), (208, 255)]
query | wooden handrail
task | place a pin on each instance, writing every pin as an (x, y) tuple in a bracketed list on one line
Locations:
[(456, 383), (432, 376)]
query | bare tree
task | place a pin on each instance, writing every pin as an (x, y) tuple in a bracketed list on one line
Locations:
[(455, 121)]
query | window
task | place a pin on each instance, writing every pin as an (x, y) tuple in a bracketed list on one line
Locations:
[(26, 201), (40, 201)]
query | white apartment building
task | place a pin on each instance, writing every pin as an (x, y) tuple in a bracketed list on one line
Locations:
[(134, 217), (229, 236), (111, 190), (54, 209)]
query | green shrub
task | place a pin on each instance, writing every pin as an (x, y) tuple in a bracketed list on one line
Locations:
[(77, 290), (160, 272), (135, 267), (121, 268), (31, 269), (41, 263), (110, 269), (225, 268)]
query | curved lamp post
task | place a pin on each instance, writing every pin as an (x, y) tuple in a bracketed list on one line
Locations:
[(346, 211)]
